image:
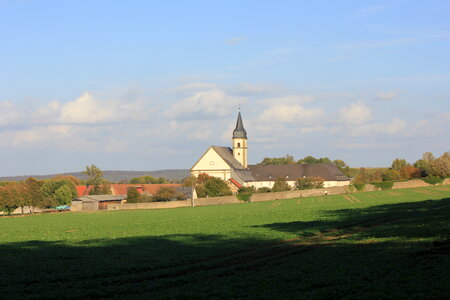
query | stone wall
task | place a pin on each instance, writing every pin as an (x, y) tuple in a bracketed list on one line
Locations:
[(151, 205), (446, 181), (216, 200), (299, 193)]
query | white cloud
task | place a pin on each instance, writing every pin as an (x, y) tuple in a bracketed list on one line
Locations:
[(196, 86), (365, 145), (205, 104), (395, 127), (355, 113), (87, 110), (35, 135), (386, 95), (288, 100), (235, 40), (294, 113), (9, 114), (447, 116), (255, 88)]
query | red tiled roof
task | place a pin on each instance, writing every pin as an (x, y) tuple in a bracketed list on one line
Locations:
[(236, 183), (122, 189), (82, 190)]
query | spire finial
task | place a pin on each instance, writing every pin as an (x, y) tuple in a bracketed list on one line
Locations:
[(239, 131)]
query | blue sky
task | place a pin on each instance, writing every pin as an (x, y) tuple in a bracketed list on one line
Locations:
[(145, 85)]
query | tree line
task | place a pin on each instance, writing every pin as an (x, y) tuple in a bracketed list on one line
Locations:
[(290, 160), (429, 168)]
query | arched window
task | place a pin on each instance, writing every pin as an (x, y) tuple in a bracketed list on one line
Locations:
[(239, 145)]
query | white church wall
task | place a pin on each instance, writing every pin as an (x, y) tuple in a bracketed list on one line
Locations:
[(212, 164)]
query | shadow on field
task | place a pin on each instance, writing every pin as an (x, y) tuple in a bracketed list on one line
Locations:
[(376, 252)]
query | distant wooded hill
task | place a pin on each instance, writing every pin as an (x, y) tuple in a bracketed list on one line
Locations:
[(113, 176)]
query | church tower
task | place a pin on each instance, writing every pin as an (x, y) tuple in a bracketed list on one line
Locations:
[(240, 142)]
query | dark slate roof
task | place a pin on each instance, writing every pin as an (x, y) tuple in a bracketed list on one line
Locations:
[(100, 198), (245, 174), (329, 172), (227, 154), (239, 131)]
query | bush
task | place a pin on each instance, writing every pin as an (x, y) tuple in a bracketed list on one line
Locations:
[(281, 185), (384, 185), (433, 179), (168, 194), (247, 190), (133, 195), (244, 197), (309, 183), (359, 186), (264, 189)]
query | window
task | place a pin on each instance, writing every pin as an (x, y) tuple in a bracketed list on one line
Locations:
[(239, 145)]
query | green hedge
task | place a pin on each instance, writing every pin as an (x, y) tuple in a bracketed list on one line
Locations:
[(359, 186), (384, 185), (433, 179)]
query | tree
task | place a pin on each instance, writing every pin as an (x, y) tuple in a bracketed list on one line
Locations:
[(147, 180), (391, 175), (95, 179), (399, 163), (70, 178), (63, 195), (49, 190), (342, 166), (133, 195), (286, 160), (7, 199), (217, 187), (408, 172), (35, 190), (308, 160), (309, 183), (280, 185), (190, 181), (361, 177), (441, 166), (168, 194), (202, 178), (425, 164)]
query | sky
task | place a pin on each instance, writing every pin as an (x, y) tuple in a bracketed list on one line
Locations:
[(148, 85)]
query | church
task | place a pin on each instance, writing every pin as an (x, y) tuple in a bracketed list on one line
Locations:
[(231, 165)]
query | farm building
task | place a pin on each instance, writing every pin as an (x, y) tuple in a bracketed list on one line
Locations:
[(95, 202), (86, 202), (231, 165)]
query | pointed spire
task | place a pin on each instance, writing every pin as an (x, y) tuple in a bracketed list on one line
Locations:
[(239, 131)]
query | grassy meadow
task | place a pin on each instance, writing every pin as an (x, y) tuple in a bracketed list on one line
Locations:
[(386, 244)]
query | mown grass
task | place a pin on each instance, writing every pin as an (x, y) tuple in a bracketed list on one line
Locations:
[(387, 244)]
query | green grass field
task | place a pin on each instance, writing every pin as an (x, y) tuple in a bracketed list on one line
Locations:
[(389, 244)]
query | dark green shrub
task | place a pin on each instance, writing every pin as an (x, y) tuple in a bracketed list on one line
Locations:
[(264, 190), (433, 179), (384, 185), (247, 190), (244, 197), (359, 186)]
